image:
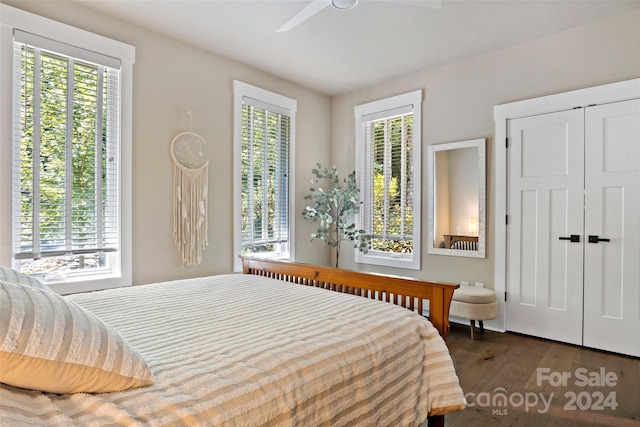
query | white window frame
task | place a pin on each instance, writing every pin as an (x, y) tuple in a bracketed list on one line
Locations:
[(243, 90), (378, 109), (15, 19)]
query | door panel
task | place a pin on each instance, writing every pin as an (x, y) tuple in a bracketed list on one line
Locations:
[(528, 247), (558, 210), (612, 211), (545, 200)]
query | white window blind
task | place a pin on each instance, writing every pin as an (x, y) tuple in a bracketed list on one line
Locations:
[(388, 210), (264, 144), (265, 178), (388, 151), (66, 141)]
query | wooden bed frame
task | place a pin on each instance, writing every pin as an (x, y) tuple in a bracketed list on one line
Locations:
[(466, 243), (406, 292)]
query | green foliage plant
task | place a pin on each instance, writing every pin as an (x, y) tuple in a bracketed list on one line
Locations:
[(393, 217), (334, 205)]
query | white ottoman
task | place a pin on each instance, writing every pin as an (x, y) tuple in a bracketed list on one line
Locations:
[(470, 302)]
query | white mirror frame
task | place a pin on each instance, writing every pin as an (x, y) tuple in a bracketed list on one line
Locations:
[(431, 169)]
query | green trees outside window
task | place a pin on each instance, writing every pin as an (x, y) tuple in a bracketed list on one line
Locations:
[(265, 180), (67, 161), (391, 215)]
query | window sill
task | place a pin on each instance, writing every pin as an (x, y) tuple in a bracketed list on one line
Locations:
[(389, 260), (264, 255), (86, 283)]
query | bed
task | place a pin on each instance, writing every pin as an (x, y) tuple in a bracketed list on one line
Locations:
[(465, 243), (259, 349)]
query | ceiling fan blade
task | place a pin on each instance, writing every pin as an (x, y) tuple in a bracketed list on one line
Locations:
[(311, 9), (432, 4)]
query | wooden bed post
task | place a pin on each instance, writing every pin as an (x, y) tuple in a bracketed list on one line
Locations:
[(436, 421)]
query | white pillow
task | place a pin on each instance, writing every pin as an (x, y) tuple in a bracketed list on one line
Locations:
[(51, 344), (13, 276)]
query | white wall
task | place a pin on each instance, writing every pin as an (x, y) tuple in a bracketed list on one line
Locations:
[(442, 211), (169, 78), (459, 101), (463, 189)]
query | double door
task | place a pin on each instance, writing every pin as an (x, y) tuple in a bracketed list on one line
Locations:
[(573, 238)]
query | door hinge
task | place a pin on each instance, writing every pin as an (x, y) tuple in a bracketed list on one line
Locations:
[(585, 106), (506, 142), (506, 219), (505, 296)]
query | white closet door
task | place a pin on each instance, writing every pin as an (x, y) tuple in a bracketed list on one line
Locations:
[(545, 203), (612, 211)]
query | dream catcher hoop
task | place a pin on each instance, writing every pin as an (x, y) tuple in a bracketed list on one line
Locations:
[(190, 195)]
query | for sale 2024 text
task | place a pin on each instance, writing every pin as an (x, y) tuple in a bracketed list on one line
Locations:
[(586, 400)]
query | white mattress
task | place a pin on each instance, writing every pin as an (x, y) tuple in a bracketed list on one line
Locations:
[(243, 350)]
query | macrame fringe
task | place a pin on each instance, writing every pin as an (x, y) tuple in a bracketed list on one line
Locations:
[(190, 205)]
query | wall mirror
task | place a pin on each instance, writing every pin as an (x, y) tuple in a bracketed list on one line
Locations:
[(456, 198)]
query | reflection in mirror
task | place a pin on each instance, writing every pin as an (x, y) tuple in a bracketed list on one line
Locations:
[(457, 199)]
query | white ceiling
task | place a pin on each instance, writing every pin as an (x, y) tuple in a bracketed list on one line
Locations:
[(336, 51)]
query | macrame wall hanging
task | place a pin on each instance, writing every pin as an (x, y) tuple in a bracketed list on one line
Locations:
[(190, 195)]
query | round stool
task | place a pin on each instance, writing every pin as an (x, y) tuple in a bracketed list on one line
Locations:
[(473, 303)]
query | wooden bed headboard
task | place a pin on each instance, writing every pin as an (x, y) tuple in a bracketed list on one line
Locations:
[(406, 292)]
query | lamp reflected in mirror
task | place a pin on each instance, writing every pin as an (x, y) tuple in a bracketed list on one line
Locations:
[(472, 226), (457, 199)]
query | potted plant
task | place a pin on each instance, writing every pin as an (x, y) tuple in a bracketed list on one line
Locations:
[(334, 207)]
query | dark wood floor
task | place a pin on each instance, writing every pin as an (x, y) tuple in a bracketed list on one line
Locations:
[(505, 365)]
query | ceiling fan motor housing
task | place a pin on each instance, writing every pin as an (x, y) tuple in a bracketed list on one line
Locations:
[(344, 4)]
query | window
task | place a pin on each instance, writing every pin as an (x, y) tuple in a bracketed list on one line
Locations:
[(264, 133), (388, 152), (70, 150)]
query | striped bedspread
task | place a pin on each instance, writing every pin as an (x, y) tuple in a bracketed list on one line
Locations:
[(241, 350)]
